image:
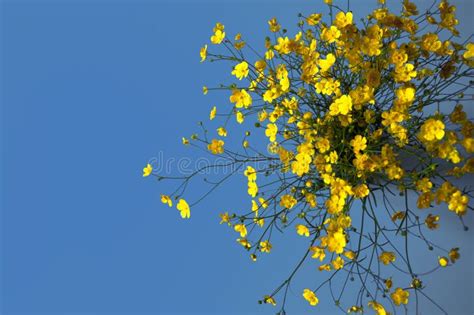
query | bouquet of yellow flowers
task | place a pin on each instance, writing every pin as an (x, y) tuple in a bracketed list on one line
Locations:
[(357, 115)]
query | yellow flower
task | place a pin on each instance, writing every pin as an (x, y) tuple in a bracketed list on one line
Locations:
[(313, 19), (147, 170), (274, 26), (166, 200), (359, 143), (283, 46), (387, 257), (241, 228), (350, 254), (400, 296), (458, 203), (398, 57), (469, 53), (443, 261), (378, 308), (252, 189), (318, 253), (221, 131), (424, 200), (343, 19), (342, 106), (325, 267), (241, 98), (405, 73), (432, 130), (205, 90), (388, 283), (185, 141), (218, 35), (183, 208), (399, 215), (244, 242), (269, 54), (431, 221), (431, 42), (216, 146), (271, 132), (454, 254), (269, 300), (361, 191), (338, 263), (213, 113), (288, 201), (310, 297), (203, 53), (323, 145), (355, 309), (265, 246), (241, 70), (336, 241), (302, 230), (325, 64), (424, 185), (239, 117), (330, 34), (250, 173), (225, 218)]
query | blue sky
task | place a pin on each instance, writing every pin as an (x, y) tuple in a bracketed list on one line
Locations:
[(91, 90)]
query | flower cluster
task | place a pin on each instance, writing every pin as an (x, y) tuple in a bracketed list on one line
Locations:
[(352, 111)]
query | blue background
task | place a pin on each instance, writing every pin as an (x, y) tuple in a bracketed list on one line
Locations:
[(91, 90)]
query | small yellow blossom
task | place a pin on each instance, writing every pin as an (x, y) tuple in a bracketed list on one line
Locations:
[(218, 35), (302, 230), (265, 246), (432, 130), (400, 296), (225, 218), (166, 200), (431, 221), (271, 132), (318, 253), (147, 170), (241, 70), (203, 53), (310, 297), (221, 131), (183, 208), (241, 228), (341, 106), (359, 143), (443, 261), (454, 254), (274, 26), (239, 117), (387, 257), (338, 263), (469, 53), (269, 300), (343, 19), (241, 98), (378, 308), (216, 146), (213, 113), (288, 201)]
